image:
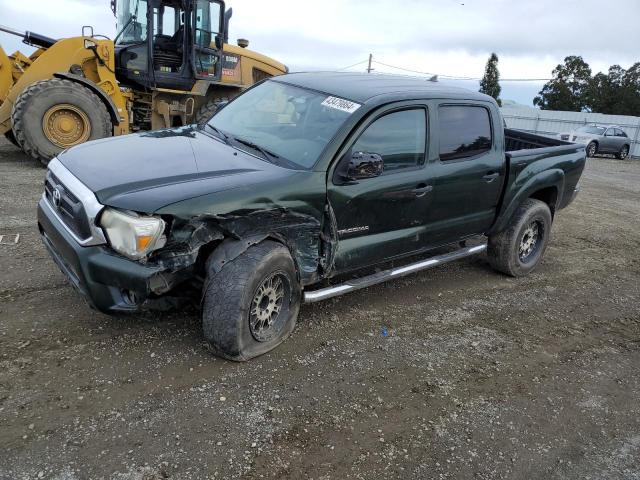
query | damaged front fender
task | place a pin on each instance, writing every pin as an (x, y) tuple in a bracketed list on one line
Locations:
[(232, 235)]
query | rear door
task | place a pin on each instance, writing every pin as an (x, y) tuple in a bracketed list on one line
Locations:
[(621, 139), (383, 217), (468, 173)]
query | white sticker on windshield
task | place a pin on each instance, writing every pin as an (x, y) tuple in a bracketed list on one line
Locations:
[(341, 104)]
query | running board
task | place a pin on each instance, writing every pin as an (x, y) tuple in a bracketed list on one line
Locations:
[(373, 279)]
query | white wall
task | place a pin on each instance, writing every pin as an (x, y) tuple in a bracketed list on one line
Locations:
[(549, 122)]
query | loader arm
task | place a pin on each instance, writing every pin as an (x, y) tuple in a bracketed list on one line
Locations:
[(6, 78)]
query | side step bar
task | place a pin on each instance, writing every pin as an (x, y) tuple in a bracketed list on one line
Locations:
[(379, 277)]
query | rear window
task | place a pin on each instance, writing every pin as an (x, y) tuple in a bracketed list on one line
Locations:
[(465, 131)]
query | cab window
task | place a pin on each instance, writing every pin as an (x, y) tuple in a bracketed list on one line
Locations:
[(465, 131), (399, 137)]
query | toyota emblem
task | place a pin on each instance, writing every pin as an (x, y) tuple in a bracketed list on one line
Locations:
[(57, 197)]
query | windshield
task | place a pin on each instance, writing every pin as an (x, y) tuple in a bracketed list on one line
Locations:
[(131, 21), (593, 130), (291, 122)]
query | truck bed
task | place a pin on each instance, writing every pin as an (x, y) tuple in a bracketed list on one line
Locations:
[(541, 160), (518, 140)]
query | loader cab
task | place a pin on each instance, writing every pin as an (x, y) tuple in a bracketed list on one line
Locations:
[(169, 43)]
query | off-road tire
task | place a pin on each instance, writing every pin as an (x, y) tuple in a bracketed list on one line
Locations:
[(207, 110), (32, 104), (11, 138), (623, 153), (228, 295), (592, 146), (503, 248)]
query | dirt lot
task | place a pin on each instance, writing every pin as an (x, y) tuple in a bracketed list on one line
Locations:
[(457, 372)]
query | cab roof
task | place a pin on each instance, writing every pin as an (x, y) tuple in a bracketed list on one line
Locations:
[(361, 87)]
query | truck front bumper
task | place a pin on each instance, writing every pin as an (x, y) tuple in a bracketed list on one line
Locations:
[(109, 283)]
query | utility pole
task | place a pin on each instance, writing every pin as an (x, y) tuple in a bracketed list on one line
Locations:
[(370, 59)]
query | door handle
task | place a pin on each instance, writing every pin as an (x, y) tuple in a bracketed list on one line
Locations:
[(422, 191), (491, 176)]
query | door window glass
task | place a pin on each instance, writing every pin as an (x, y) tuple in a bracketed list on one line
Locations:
[(207, 23), (131, 22), (399, 137), (465, 131), (620, 133), (168, 39)]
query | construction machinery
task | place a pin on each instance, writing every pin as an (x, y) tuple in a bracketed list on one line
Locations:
[(170, 64)]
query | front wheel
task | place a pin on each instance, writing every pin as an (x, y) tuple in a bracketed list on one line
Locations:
[(624, 151), (519, 249), (592, 149), (52, 115), (251, 305)]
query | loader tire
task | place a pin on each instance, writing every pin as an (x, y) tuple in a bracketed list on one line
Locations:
[(250, 306), (208, 109), (518, 250), (53, 115), (11, 138)]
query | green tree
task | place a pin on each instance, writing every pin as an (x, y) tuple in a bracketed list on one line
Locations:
[(617, 93), (567, 90), (490, 83), (629, 102), (604, 92)]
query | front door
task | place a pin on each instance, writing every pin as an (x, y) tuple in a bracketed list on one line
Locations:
[(382, 217), (469, 173)]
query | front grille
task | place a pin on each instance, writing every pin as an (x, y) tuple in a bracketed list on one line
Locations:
[(69, 208)]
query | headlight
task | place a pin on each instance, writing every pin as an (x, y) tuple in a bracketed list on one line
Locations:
[(132, 235)]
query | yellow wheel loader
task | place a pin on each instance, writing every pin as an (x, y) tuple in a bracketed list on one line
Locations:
[(170, 64)]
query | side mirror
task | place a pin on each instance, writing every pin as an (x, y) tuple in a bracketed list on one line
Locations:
[(219, 42), (364, 165)]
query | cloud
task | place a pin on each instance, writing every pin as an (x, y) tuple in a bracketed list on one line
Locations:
[(451, 37)]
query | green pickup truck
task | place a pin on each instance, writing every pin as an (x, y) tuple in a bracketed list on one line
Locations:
[(304, 187)]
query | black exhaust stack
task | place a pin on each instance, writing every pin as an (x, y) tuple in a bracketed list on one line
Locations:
[(227, 17)]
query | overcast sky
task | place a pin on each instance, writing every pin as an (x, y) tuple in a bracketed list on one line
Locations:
[(440, 36)]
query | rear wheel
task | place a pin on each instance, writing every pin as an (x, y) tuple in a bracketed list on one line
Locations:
[(208, 109), (52, 115), (519, 249), (592, 149), (251, 305), (624, 151)]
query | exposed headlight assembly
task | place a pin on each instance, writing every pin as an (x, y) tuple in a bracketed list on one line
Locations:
[(132, 235)]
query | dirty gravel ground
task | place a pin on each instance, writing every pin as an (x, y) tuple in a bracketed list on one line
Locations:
[(479, 376)]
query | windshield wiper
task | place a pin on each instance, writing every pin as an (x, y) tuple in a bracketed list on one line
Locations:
[(269, 155), (223, 136)]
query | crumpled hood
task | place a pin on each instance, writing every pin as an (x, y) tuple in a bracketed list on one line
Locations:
[(147, 171)]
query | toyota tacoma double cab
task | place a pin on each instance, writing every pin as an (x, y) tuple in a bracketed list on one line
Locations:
[(306, 186)]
